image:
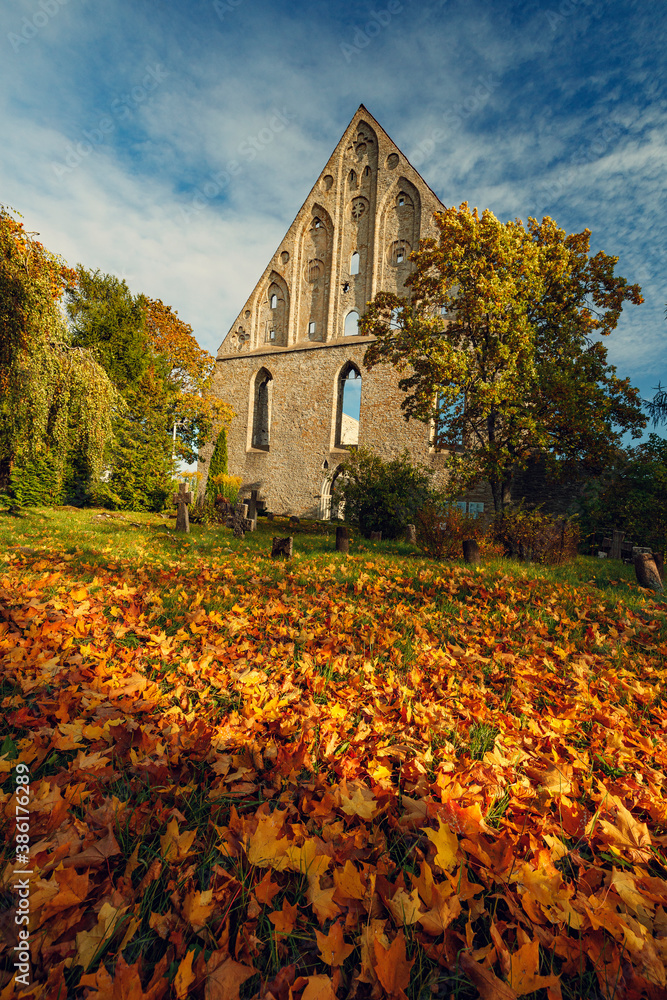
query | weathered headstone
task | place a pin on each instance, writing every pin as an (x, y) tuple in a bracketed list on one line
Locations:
[(411, 534), (616, 541), (240, 520), (281, 548), (182, 499), (376, 536), (646, 571), (251, 504), (659, 560), (342, 539), (294, 519), (471, 551)]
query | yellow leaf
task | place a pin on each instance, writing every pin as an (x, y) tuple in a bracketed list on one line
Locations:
[(265, 848), (362, 803), (405, 907), (185, 976), (176, 846), (446, 843), (198, 907)]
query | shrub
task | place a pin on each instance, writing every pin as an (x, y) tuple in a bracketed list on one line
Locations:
[(225, 486), (381, 496), (535, 535), (442, 528), (35, 482)]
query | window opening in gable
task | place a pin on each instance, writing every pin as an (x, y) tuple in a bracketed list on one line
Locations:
[(348, 407), (351, 324), (354, 263), (262, 410), (274, 301), (311, 327)]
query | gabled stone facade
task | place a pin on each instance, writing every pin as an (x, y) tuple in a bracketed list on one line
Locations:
[(283, 362)]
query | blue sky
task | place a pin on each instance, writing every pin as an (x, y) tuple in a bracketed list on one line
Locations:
[(120, 120)]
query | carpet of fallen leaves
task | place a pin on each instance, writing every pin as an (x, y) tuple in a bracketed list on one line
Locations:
[(415, 781)]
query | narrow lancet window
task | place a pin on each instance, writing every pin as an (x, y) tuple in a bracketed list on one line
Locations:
[(354, 263), (261, 424)]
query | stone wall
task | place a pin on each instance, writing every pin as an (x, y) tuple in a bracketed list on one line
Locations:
[(302, 452)]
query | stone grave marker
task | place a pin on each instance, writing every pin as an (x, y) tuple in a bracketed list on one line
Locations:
[(616, 542), (281, 548), (376, 536), (471, 551), (411, 534), (182, 499), (342, 539), (240, 520), (646, 571)]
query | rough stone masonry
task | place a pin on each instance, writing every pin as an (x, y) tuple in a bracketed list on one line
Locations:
[(284, 363)]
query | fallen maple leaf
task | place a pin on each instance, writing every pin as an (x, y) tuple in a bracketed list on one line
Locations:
[(392, 967), (332, 947), (488, 984), (523, 973), (225, 977), (319, 988), (185, 976), (284, 920), (446, 844), (95, 855), (176, 846)]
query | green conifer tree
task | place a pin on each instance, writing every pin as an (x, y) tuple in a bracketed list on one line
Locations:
[(218, 464)]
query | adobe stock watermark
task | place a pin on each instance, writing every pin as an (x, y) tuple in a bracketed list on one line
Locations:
[(587, 153), (248, 150), (22, 870), (566, 8), (224, 7), (121, 109), (365, 33), (455, 118), (31, 26)]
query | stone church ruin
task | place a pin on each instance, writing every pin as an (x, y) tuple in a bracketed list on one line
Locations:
[(294, 349)]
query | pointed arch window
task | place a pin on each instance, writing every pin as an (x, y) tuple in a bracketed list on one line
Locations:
[(354, 263), (261, 417), (274, 301), (348, 406), (351, 324)]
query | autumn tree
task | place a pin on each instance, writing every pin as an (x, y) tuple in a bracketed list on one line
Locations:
[(499, 346), (190, 370), (55, 399), (164, 379)]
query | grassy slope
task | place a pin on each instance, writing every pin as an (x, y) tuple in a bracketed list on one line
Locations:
[(419, 762)]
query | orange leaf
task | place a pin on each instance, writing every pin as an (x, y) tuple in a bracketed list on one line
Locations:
[(185, 976), (318, 988), (392, 967), (488, 984), (524, 965), (332, 947), (224, 977), (284, 920)]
